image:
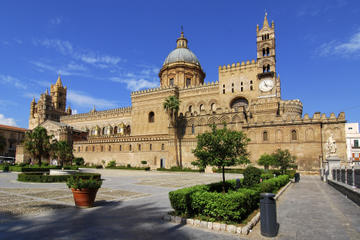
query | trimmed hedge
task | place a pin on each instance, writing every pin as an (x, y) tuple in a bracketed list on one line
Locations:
[(229, 170), (35, 168), (39, 177), (206, 201), (277, 172), (266, 176), (129, 168), (178, 169)]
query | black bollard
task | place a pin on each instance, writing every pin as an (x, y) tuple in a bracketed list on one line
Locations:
[(297, 177), (237, 183), (268, 222)]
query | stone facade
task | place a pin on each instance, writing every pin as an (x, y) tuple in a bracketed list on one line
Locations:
[(13, 136), (247, 97)]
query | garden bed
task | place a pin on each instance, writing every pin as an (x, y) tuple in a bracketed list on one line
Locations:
[(44, 178), (35, 168), (208, 203)]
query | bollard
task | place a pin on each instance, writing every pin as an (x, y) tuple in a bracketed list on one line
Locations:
[(238, 184), (269, 226), (297, 177)]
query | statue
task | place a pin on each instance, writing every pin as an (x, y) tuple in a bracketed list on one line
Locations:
[(331, 146)]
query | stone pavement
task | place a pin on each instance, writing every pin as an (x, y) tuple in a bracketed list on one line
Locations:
[(131, 203), (312, 209)]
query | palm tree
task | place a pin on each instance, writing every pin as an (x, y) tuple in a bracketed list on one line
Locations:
[(62, 151), (37, 143), (171, 106)]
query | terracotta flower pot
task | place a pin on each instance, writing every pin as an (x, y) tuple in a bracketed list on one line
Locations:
[(84, 198)]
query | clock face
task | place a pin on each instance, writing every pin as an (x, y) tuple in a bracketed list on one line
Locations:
[(266, 85)]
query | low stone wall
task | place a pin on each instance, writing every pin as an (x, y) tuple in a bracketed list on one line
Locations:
[(350, 192)]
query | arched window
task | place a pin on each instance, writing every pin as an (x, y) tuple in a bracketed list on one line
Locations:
[(213, 107), (239, 102), (293, 135), (130, 147), (188, 82), (202, 108), (139, 147), (193, 129), (151, 117), (171, 82), (251, 88), (115, 130), (267, 51), (265, 136), (190, 108), (120, 148), (162, 146), (263, 51), (150, 146), (264, 68), (268, 68), (103, 131), (109, 148)]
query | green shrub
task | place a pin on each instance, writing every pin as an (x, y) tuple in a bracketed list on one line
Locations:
[(277, 172), (230, 170), (6, 167), (230, 185), (98, 166), (179, 169), (77, 182), (266, 176), (40, 177), (147, 169), (251, 176), (143, 162), (207, 201), (129, 166), (111, 164), (79, 161)]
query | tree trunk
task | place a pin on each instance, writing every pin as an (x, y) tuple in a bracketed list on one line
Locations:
[(223, 177)]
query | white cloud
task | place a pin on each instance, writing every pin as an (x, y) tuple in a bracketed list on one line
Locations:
[(67, 70), (6, 79), (84, 55), (74, 111), (135, 84), (7, 121), (56, 21), (345, 49), (82, 100)]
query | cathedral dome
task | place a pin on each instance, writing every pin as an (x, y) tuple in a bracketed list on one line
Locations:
[(181, 55)]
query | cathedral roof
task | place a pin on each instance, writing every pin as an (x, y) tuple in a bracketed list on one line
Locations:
[(182, 53)]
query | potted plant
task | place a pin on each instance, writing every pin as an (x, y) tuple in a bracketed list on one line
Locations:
[(84, 190)]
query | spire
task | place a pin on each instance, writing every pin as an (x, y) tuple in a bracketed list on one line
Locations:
[(266, 23), (58, 82), (181, 42), (33, 101), (47, 91)]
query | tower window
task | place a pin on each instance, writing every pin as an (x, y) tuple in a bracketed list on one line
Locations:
[(241, 83), (241, 89), (190, 108), (151, 117), (192, 129), (202, 108), (251, 88), (162, 146), (263, 51), (232, 90), (265, 136), (130, 147), (139, 147), (293, 135), (223, 91), (232, 84), (120, 148), (267, 51), (171, 82), (213, 106), (251, 82), (268, 68), (150, 146), (188, 82), (356, 143)]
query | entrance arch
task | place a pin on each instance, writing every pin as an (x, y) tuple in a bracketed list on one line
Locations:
[(239, 102)]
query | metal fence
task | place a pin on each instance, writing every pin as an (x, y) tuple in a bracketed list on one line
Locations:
[(350, 176)]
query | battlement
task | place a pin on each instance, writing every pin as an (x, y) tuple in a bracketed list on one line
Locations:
[(151, 90), (93, 113), (238, 66)]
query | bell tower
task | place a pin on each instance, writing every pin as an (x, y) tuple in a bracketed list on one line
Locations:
[(58, 95), (265, 42)]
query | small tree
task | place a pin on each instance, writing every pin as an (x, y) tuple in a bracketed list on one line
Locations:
[(266, 160), (221, 148), (37, 143), (284, 160), (62, 151)]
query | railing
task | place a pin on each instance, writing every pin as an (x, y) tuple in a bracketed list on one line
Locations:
[(350, 176)]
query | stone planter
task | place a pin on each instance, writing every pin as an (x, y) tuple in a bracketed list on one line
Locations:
[(84, 198)]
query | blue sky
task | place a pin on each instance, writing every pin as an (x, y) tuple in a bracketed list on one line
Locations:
[(106, 49)]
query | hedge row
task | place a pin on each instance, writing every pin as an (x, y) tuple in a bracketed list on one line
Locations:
[(39, 177), (277, 172), (208, 202), (130, 168), (29, 168), (178, 169)]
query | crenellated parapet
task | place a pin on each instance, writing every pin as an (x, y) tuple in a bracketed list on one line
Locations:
[(121, 112), (237, 66), (291, 107)]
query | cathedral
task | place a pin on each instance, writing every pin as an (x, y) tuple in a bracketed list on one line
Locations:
[(247, 97)]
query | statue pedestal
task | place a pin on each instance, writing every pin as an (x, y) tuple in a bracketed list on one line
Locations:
[(333, 161)]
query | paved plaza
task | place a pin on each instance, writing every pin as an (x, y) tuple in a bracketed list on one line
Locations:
[(130, 205)]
